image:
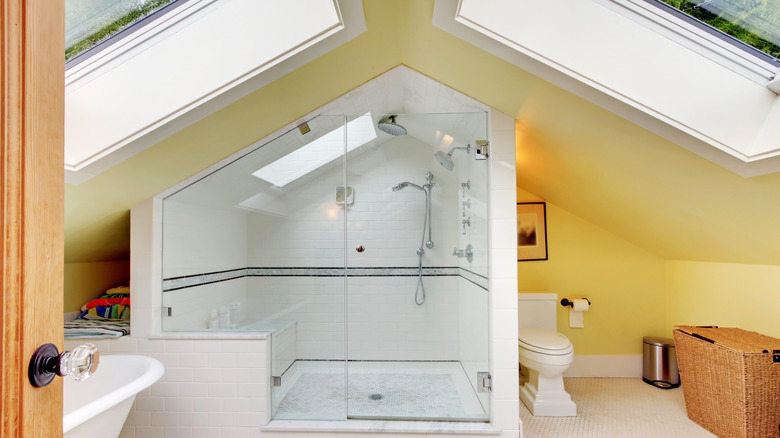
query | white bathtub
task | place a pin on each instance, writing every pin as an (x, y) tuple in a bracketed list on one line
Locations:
[(98, 406)]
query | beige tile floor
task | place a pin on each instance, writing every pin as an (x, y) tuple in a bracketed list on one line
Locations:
[(617, 407)]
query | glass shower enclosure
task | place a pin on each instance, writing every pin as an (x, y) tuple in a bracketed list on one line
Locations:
[(359, 243)]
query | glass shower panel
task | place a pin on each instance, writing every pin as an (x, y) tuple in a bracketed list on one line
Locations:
[(354, 245), (258, 245), (417, 292)]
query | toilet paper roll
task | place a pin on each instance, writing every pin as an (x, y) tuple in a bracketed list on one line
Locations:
[(576, 319), (581, 305)]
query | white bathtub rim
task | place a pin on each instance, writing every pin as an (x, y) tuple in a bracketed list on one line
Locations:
[(108, 401)]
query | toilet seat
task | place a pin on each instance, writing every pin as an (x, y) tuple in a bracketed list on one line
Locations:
[(544, 341)]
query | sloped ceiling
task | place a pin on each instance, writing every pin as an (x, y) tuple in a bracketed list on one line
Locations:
[(571, 153)]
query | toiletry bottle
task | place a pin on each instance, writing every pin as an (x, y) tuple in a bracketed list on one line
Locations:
[(213, 320), (224, 318), (235, 314)]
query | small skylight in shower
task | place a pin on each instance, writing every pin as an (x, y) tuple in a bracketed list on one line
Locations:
[(318, 153)]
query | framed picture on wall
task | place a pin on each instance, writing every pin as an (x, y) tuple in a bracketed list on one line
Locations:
[(531, 231)]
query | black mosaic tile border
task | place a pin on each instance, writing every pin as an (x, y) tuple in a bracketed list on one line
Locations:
[(184, 282)]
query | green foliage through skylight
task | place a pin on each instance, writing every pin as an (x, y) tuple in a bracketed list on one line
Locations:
[(94, 21), (754, 22)]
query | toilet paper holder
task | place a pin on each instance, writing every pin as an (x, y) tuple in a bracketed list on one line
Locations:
[(565, 302)]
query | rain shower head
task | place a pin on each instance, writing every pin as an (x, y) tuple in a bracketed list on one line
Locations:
[(446, 159), (387, 124), (406, 184)]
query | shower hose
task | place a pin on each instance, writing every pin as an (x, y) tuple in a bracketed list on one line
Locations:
[(419, 293)]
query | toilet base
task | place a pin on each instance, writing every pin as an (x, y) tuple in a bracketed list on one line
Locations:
[(545, 396)]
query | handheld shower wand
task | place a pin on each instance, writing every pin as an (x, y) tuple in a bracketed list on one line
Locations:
[(419, 294)]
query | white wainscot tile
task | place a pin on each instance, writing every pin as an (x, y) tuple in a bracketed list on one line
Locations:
[(178, 432), (150, 345), (223, 389), (236, 404), (222, 419), (178, 346), (206, 404), (165, 419), (193, 360), (150, 432), (165, 389), (149, 404), (207, 375), (124, 344), (178, 404), (178, 375)]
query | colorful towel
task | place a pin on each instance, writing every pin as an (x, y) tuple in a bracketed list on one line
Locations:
[(96, 327), (114, 306)]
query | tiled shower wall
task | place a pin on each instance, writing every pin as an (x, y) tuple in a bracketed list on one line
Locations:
[(389, 225)]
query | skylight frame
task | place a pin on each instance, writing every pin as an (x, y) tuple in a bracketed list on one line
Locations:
[(699, 37), (124, 33), (133, 39)]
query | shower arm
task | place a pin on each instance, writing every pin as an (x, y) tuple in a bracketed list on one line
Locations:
[(467, 148)]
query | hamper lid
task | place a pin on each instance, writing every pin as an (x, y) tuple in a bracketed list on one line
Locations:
[(734, 338)]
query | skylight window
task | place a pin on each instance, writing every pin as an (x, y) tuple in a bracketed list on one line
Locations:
[(318, 153), (89, 23), (754, 23)]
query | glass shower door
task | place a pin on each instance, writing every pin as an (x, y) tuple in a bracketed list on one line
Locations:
[(300, 247), (257, 245), (417, 292)]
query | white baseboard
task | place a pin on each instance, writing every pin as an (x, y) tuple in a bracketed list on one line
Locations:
[(605, 366)]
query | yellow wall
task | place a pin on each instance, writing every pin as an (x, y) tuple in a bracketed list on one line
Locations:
[(724, 294), (87, 281), (624, 283), (635, 293)]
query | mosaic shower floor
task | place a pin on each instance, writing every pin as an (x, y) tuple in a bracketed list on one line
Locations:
[(379, 390)]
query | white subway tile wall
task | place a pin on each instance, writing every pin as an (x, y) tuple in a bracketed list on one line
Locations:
[(211, 387)]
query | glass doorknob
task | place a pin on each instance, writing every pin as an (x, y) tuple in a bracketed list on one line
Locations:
[(47, 362)]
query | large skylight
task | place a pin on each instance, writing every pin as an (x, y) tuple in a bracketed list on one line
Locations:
[(318, 153)]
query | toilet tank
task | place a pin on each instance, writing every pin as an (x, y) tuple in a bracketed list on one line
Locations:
[(537, 310)]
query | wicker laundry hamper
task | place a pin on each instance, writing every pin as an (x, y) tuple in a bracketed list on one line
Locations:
[(731, 380)]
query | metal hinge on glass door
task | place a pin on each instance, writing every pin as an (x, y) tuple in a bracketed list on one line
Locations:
[(482, 150), (483, 382)]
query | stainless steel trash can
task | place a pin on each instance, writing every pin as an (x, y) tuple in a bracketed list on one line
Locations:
[(659, 367)]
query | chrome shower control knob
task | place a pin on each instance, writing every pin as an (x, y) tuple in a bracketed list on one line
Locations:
[(360, 248)]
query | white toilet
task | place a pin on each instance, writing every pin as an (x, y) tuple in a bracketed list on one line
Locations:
[(545, 354)]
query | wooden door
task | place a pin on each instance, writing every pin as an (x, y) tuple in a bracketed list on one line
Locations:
[(31, 209)]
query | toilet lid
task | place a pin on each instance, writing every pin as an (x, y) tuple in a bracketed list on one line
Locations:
[(543, 341)]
